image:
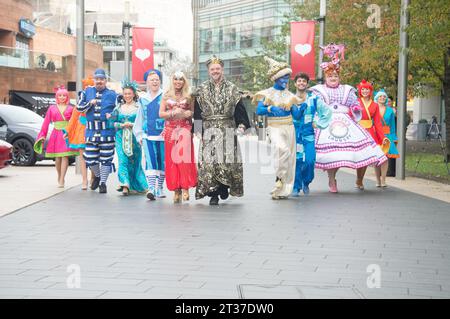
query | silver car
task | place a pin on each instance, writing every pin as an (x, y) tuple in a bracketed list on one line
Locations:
[(20, 127)]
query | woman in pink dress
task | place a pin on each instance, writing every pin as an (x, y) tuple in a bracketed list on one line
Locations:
[(56, 148)]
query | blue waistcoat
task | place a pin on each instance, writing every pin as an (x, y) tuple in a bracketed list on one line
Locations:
[(155, 124)]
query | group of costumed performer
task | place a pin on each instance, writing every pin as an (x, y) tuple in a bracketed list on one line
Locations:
[(58, 115), (344, 143)]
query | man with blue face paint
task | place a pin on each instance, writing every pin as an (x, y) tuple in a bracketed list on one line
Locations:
[(280, 106)]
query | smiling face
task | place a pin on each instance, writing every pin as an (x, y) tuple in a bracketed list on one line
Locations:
[(365, 92), (178, 84), (382, 99), (216, 72), (100, 83), (62, 98), (283, 81), (301, 84), (332, 79), (128, 95), (153, 82)]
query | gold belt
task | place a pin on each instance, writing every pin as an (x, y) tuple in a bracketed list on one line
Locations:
[(278, 121)]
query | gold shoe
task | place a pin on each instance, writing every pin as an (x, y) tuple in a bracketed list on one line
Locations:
[(185, 195), (177, 197), (278, 186)]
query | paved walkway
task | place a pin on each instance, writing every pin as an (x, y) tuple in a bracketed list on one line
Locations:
[(23, 186), (318, 246)]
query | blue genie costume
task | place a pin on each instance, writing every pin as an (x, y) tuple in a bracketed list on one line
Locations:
[(99, 134), (280, 106), (147, 129), (305, 126)]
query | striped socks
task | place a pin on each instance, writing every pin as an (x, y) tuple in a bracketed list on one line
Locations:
[(151, 180), (161, 179), (104, 173), (96, 169)]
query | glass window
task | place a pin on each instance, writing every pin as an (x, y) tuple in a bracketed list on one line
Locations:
[(229, 39), (246, 36)]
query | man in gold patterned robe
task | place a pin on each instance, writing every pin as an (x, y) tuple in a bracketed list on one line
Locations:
[(220, 109)]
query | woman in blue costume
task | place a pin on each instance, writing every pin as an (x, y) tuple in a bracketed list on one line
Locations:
[(130, 174), (389, 131)]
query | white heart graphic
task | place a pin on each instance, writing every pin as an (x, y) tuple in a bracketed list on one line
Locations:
[(142, 54), (303, 49)]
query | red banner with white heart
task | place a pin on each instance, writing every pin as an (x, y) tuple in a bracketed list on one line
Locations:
[(303, 57), (142, 60)]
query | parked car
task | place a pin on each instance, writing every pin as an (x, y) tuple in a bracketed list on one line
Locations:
[(5, 154), (20, 127)]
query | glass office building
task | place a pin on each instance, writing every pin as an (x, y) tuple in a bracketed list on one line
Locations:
[(231, 28)]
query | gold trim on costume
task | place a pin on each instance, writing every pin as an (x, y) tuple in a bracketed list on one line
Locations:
[(284, 99), (278, 121)]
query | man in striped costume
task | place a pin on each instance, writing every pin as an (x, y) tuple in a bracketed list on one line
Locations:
[(97, 102)]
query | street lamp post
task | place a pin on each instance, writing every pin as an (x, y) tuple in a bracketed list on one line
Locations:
[(80, 44), (323, 13), (80, 58), (402, 90), (127, 26)]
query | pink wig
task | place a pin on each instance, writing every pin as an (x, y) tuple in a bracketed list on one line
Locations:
[(61, 90)]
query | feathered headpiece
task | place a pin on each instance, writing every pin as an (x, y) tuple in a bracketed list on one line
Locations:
[(335, 52), (127, 84), (61, 90)]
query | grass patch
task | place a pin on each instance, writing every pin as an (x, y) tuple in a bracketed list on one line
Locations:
[(431, 166)]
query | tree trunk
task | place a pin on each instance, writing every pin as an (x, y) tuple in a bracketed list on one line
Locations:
[(447, 101)]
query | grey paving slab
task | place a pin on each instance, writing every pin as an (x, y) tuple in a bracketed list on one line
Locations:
[(132, 248)]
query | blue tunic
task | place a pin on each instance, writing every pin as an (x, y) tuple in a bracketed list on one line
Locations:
[(305, 132), (97, 127)]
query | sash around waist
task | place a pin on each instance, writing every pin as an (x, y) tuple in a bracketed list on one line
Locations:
[(60, 125), (275, 121), (218, 118)]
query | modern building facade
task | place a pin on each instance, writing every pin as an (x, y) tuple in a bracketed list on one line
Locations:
[(232, 28), (34, 60)]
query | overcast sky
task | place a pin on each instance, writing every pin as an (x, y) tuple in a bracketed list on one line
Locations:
[(172, 19)]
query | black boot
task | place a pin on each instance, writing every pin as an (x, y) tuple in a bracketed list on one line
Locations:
[(103, 189), (214, 201), (95, 183), (223, 191)]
